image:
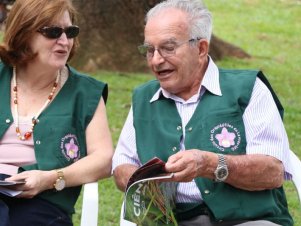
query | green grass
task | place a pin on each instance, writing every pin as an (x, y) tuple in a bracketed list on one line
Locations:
[(270, 31)]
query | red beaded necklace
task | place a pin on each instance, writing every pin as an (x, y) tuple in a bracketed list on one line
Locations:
[(28, 134)]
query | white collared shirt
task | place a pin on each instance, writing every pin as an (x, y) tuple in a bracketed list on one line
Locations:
[(265, 132)]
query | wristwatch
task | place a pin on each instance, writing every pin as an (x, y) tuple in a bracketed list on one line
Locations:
[(60, 181), (221, 173)]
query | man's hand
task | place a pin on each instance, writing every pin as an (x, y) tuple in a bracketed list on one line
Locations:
[(122, 175), (187, 165)]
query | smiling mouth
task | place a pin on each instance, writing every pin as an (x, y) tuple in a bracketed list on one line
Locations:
[(164, 72)]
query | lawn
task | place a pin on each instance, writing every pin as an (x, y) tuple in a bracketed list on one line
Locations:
[(270, 31)]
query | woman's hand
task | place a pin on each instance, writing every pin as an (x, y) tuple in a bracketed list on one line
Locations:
[(36, 181)]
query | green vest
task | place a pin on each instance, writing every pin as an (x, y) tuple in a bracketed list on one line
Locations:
[(159, 130), (61, 128)]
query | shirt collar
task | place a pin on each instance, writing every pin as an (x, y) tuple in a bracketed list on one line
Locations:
[(210, 82)]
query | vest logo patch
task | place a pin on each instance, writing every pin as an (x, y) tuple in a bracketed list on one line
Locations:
[(70, 147), (225, 136)]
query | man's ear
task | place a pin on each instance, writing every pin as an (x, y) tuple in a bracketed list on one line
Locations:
[(203, 48)]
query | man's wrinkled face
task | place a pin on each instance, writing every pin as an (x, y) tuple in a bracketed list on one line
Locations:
[(178, 64)]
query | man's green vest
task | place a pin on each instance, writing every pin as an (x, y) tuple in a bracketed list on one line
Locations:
[(215, 126), (61, 128)]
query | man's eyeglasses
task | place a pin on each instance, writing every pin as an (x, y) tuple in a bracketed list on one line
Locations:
[(55, 32), (166, 50)]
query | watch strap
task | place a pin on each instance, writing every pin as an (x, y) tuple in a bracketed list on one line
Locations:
[(60, 174), (60, 181), (221, 160), (221, 172)]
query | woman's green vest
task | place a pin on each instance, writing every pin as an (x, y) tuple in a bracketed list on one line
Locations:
[(159, 132), (61, 126)]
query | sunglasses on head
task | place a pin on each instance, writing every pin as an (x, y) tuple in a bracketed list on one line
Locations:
[(55, 32)]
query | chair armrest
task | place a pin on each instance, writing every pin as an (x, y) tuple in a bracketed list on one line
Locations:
[(89, 215), (296, 165)]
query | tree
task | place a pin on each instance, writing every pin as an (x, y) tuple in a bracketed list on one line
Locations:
[(111, 30)]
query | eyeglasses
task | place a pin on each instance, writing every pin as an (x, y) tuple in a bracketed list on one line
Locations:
[(55, 32), (166, 50)]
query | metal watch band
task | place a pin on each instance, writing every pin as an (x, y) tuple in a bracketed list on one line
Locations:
[(60, 181), (60, 174), (222, 160), (221, 172)]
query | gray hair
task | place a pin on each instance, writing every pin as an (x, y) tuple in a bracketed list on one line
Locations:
[(199, 17)]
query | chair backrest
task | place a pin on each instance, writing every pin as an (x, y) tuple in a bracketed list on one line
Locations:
[(89, 215), (296, 166)]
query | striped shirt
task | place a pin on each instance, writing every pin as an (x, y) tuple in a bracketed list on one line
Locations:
[(265, 132)]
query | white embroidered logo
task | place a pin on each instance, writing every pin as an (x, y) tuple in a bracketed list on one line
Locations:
[(224, 135), (70, 147)]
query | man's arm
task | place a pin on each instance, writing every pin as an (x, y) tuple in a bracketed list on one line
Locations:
[(255, 172), (249, 172), (125, 159), (122, 175)]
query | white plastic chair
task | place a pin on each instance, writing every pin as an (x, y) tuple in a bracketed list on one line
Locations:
[(89, 215), (296, 166)]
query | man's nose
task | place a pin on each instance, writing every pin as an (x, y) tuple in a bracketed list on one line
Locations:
[(157, 58)]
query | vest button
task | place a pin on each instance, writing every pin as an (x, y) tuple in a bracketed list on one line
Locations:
[(7, 120), (179, 128), (190, 129), (207, 192), (38, 142), (174, 148)]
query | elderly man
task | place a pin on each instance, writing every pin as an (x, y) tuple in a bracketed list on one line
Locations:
[(219, 130)]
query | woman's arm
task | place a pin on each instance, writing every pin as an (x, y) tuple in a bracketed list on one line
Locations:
[(96, 165)]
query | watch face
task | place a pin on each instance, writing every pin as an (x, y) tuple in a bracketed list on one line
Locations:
[(60, 184), (222, 173)]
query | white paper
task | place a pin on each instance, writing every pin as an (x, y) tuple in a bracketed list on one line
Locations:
[(5, 187), (9, 192)]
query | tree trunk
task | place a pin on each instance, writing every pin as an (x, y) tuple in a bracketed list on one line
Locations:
[(111, 30)]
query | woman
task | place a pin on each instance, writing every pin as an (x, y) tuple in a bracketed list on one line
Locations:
[(54, 133)]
